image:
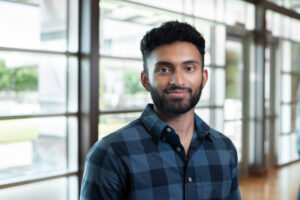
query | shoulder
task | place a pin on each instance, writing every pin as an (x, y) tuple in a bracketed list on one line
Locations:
[(221, 140), (223, 143)]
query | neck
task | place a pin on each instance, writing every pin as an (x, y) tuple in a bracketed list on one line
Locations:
[(183, 124)]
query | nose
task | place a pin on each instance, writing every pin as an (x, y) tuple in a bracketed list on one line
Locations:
[(177, 78)]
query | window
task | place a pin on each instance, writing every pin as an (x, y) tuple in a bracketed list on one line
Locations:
[(38, 93)]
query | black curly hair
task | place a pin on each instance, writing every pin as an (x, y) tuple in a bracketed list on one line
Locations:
[(168, 33)]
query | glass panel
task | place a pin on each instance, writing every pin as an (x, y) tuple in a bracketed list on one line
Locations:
[(120, 85), (234, 131), (286, 24), (73, 29), (204, 9), (232, 109), (277, 24), (219, 120), (72, 84), (188, 7), (123, 43), (269, 20), (233, 101), (220, 10), (250, 16), (295, 87), (219, 47), (72, 128), (285, 118), (205, 29), (252, 79), (37, 25), (251, 142), (58, 189), (235, 12), (175, 5), (204, 114), (133, 21), (32, 83), (112, 122), (284, 150), (287, 149), (286, 84), (220, 86), (295, 28), (286, 56), (295, 56), (205, 96), (267, 136), (32, 148)]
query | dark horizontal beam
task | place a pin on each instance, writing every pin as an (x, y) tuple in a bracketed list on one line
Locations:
[(38, 179), (11, 117), (37, 51), (281, 10)]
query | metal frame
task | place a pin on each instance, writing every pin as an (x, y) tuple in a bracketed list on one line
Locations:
[(88, 78)]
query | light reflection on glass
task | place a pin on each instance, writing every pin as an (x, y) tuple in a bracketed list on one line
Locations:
[(32, 147), (36, 26)]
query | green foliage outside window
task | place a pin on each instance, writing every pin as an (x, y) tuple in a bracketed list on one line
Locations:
[(18, 79), (133, 83), (232, 75)]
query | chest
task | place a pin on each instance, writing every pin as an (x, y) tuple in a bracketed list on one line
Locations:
[(167, 171)]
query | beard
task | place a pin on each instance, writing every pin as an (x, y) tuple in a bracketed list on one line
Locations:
[(175, 106)]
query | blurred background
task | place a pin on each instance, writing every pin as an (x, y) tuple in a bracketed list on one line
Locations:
[(70, 74)]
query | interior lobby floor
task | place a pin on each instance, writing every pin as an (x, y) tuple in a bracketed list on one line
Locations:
[(280, 184)]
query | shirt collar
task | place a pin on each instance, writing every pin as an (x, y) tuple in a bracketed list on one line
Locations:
[(156, 126), (202, 129), (152, 122)]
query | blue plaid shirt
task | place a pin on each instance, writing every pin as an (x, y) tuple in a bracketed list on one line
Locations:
[(145, 160)]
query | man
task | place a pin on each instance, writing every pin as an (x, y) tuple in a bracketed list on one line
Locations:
[(169, 152)]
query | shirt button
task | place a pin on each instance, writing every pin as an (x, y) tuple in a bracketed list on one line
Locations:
[(190, 179), (169, 130), (178, 149)]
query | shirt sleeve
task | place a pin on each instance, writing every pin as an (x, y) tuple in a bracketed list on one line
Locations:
[(102, 178), (235, 192)]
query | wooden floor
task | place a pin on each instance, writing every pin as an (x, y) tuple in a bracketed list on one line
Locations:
[(280, 184)]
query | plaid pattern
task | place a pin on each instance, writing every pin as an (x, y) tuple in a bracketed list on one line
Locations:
[(145, 160)]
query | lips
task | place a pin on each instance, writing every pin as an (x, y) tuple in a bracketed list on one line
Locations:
[(177, 92)]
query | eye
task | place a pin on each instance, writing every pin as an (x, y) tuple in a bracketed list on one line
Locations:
[(163, 70), (190, 68)]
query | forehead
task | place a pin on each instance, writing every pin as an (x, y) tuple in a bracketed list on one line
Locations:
[(176, 51)]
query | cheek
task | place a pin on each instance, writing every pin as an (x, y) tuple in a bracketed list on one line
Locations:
[(160, 82), (195, 83)]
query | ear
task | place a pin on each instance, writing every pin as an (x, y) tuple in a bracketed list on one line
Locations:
[(144, 80), (204, 77)]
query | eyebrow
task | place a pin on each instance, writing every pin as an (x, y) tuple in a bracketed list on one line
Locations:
[(169, 63), (191, 62)]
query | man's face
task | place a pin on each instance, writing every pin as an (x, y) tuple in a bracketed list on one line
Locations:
[(175, 79)]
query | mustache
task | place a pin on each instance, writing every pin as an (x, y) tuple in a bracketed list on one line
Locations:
[(176, 88)]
